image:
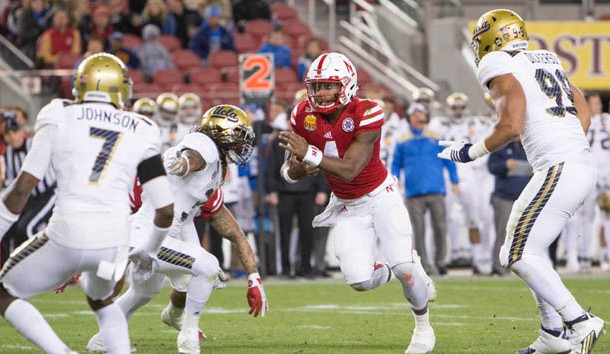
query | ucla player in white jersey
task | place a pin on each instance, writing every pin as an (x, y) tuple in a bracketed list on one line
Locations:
[(95, 150), (197, 166), (189, 113), (167, 118), (535, 100)]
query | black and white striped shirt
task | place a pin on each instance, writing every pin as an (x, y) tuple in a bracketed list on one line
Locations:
[(12, 160)]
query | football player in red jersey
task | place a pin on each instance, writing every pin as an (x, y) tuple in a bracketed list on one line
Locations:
[(338, 133)]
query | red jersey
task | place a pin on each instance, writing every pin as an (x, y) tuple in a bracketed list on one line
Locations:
[(209, 209), (360, 115)]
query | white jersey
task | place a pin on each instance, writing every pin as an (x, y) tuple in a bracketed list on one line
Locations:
[(95, 156), (599, 139), (392, 128), (191, 191), (172, 134), (552, 128)]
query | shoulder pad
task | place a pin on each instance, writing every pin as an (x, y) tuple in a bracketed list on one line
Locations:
[(203, 144), (51, 113)]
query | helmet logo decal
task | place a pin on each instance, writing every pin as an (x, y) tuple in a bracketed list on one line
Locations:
[(310, 122), (350, 70), (227, 114), (348, 125), (484, 27), (319, 68)]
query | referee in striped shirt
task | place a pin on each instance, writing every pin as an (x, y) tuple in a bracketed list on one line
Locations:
[(37, 210)]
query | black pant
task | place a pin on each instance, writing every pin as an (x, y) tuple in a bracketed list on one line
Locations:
[(33, 218), (301, 205)]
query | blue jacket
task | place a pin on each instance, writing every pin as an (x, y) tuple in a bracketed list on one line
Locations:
[(415, 153), (507, 186), (200, 43), (281, 54)]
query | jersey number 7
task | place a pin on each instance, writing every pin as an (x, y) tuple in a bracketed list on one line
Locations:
[(111, 138)]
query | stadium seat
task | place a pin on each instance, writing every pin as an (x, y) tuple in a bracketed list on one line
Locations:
[(230, 74), (295, 28), (286, 91), (181, 88), (136, 76), (245, 43), (131, 41), (171, 43), (66, 60), (185, 59), (65, 87), (167, 78), (222, 58), (147, 90), (258, 28), (283, 12), (285, 76), (224, 90), (205, 76)]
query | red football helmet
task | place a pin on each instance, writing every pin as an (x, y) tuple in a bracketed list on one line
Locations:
[(331, 82)]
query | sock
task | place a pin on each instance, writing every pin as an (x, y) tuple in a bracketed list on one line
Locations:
[(381, 275), (540, 276), (422, 321), (191, 322), (199, 291), (477, 254), (549, 318), (30, 323), (131, 301), (413, 285), (113, 324)]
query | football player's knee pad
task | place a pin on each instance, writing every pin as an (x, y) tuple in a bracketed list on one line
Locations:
[(206, 264), (405, 272)]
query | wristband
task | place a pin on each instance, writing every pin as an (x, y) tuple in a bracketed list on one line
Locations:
[(478, 150), (254, 276), (7, 218), (313, 156), (286, 176)]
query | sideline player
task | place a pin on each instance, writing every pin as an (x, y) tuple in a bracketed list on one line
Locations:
[(196, 166), (95, 150), (535, 100), (339, 133)]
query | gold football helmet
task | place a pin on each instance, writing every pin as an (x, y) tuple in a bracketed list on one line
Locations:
[(456, 100), (423, 95), (189, 108), (145, 106), (167, 104), (102, 77), (498, 30), (230, 128)]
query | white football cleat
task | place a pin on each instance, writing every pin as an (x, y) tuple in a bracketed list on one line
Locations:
[(547, 343), (96, 345), (176, 321), (188, 342), (430, 287), (422, 341), (585, 334)]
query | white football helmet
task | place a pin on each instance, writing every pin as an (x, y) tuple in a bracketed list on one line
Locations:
[(339, 74)]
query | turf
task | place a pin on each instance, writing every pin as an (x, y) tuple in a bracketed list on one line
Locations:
[(471, 315)]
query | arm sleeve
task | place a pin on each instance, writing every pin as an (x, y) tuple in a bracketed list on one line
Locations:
[(213, 205), (493, 65), (38, 159), (372, 117)]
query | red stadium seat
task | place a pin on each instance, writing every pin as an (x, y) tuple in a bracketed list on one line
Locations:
[(167, 78), (205, 76), (181, 88), (286, 91), (66, 60), (230, 74), (224, 90), (171, 43), (65, 87), (222, 58), (131, 41), (283, 12), (185, 59), (296, 28), (285, 76), (147, 90), (245, 43), (258, 28), (136, 76)]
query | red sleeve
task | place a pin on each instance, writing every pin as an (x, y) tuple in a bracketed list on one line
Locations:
[(371, 116), (213, 205), (296, 116), (135, 196)]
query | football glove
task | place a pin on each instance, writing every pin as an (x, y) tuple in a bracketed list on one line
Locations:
[(174, 162), (455, 151), (144, 264), (256, 296)]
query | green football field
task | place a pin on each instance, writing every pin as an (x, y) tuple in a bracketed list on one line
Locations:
[(471, 315)]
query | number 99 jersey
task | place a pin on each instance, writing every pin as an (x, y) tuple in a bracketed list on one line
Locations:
[(552, 128)]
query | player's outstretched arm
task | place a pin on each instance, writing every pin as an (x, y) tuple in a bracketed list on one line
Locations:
[(356, 157), (226, 225), (180, 162), (582, 107)]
